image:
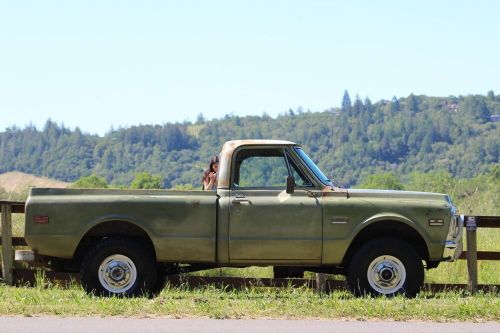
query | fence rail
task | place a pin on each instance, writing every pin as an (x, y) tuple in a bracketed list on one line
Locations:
[(11, 275)]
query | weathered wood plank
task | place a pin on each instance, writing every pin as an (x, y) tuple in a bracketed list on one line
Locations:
[(17, 241), (471, 255), (320, 283), (483, 255), (16, 206), (488, 221), (436, 287), (7, 252)]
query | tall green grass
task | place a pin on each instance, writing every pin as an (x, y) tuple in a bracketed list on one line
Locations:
[(253, 302)]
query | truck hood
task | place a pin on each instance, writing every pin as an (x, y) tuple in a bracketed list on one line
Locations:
[(403, 195)]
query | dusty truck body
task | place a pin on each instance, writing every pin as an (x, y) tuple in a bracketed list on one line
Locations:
[(272, 207)]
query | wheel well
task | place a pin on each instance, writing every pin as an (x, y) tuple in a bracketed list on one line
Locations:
[(111, 229), (387, 228)]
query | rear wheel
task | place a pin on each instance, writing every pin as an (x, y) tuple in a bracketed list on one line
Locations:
[(387, 267), (119, 267)]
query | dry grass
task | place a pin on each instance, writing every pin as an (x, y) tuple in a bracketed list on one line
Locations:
[(18, 182)]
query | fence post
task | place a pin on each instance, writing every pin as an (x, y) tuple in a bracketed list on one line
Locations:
[(320, 283), (471, 227), (7, 254)]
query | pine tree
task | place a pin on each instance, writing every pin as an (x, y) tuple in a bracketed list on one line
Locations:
[(346, 103)]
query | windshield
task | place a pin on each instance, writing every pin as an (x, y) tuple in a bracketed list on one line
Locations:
[(314, 168)]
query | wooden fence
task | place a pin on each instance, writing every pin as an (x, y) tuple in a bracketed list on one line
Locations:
[(11, 275)]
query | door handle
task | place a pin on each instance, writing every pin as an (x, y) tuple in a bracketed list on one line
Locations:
[(311, 194), (241, 200)]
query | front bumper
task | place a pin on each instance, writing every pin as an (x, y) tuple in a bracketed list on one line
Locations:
[(453, 246), (452, 250)]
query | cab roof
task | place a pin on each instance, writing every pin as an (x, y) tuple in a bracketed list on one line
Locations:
[(237, 143)]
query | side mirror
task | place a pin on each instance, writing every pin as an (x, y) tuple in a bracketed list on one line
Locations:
[(290, 185)]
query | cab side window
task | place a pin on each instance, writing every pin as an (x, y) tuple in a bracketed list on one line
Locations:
[(260, 168), (266, 168)]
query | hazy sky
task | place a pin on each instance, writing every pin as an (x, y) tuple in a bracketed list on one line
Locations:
[(98, 64)]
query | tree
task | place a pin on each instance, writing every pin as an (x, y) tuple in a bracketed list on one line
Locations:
[(491, 95), (495, 172), (394, 106), (200, 119), (383, 181), (144, 180), (444, 133), (92, 181), (346, 102), (476, 108), (435, 181), (357, 109), (412, 104), (183, 187)]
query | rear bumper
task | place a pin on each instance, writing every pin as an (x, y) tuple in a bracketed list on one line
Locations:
[(28, 256)]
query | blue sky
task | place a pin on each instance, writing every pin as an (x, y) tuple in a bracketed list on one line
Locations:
[(103, 64)]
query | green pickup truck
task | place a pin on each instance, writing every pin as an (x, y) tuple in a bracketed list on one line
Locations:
[(272, 207)]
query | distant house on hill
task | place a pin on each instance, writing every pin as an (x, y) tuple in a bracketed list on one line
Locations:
[(495, 117), (450, 106)]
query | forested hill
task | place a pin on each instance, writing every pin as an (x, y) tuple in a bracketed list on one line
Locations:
[(416, 133)]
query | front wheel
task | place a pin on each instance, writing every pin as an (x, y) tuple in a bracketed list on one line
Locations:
[(387, 267), (119, 267)]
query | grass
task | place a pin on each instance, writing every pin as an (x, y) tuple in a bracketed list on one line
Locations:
[(209, 301), (456, 272)]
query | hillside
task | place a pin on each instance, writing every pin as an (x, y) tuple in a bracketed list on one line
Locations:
[(459, 135), (17, 182)]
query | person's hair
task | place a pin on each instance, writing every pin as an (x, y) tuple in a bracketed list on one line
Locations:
[(213, 160)]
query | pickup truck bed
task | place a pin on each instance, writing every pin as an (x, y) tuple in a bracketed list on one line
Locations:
[(180, 224)]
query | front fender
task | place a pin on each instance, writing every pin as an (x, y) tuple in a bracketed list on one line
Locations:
[(338, 243), (389, 216)]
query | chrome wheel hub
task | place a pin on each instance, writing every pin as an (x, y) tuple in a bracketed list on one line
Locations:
[(117, 273), (386, 274)]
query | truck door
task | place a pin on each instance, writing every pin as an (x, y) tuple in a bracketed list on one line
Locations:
[(267, 225)]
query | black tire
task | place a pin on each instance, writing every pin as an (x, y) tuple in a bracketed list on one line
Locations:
[(161, 280), (385, 266), (284, 272), (128, 268)]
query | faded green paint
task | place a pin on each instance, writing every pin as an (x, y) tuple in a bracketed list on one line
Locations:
[(275, 226), (180, 224), (237, 226), (364, 207)]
